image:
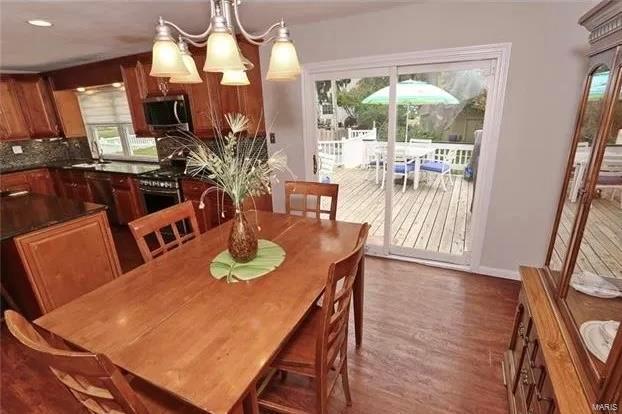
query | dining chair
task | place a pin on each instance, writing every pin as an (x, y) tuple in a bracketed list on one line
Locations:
[(93, 379), (164, 230), (318, 348), (441, 166), (305, 198)]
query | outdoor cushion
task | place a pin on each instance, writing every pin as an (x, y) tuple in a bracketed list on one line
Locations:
[(399, 168), (434, 166)]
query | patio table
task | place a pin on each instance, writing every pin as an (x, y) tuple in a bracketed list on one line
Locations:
[(410, 151)]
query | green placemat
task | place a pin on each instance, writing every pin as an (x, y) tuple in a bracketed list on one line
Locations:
[(269, 256)]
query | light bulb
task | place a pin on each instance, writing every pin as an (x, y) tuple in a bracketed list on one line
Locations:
[(284, 63), (234, 78), (222, 53), (166, 59)]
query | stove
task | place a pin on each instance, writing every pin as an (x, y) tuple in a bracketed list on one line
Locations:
[(160, 188)]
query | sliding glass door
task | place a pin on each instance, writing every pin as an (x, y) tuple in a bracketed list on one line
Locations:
[(404, 144)]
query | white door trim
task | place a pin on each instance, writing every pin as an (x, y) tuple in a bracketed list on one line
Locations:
[(499, 53)]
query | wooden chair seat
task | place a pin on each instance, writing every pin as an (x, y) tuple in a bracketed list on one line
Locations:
[(298, 355)]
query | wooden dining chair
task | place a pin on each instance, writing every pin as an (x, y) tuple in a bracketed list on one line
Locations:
[(307, 198), (318, 348), (93, 379), (164, 230)]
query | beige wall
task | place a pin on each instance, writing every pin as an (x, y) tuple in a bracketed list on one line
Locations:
[(546, 69)]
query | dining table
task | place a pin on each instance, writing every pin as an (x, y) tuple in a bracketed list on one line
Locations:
[(203, 340)]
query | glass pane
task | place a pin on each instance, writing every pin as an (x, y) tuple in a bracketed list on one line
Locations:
[(595, 295), (351, 133), (109, 140), (440, 118), (588, 130), (141, 147)]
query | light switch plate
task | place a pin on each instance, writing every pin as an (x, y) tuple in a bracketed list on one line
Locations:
[(17, 149)]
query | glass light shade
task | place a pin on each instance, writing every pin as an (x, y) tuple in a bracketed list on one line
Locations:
[(234, 78), (284, 63), (222, 53), (193, 75), (166, 59)]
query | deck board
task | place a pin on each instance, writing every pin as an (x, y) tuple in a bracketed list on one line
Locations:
[(426, 219)]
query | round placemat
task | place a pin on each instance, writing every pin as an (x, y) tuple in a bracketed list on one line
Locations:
[(269, 256)]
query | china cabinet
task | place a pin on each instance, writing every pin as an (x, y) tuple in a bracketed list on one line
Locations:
[(565, 353)]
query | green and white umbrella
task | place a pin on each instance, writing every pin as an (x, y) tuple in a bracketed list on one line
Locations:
[(413, 93)]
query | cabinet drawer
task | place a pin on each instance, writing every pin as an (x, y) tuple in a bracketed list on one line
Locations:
[(14, 182)]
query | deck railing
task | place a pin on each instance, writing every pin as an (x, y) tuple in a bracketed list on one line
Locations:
[(338, 149)]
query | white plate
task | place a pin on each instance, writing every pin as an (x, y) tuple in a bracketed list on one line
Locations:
[(594, 285), (592, 334), (610, 330)]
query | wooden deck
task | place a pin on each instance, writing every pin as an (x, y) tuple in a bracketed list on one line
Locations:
[(427, 218), (601, 248)]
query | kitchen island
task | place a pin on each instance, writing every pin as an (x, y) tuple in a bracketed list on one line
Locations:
[(53, 251)]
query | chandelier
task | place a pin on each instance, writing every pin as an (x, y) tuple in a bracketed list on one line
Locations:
[(173, 60)]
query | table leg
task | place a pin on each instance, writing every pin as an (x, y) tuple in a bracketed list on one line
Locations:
[(416, 179), (359, 288)]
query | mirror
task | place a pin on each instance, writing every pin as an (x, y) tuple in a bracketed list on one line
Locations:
[(592, 110), (594, 298)]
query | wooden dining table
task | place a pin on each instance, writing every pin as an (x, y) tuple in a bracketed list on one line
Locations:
[(203, 340)]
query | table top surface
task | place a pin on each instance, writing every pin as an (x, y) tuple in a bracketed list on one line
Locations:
[(412, 149), (206, 341), (24, 213)]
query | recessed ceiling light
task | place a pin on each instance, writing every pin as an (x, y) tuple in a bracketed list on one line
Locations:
[(117, 84), (81, 89), (40, 23)]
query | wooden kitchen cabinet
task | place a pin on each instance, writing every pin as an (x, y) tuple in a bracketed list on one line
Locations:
[(35, 181), (135, 100), (127, 199), (33, 92), (12, 122), (247, 100), (204, 100), (74, 185), (69, 114)]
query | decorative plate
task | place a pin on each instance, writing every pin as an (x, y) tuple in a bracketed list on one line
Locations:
[(595, 341), (594, 285)]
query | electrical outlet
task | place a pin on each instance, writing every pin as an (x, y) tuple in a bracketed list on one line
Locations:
[(17, 149), (272, 138)]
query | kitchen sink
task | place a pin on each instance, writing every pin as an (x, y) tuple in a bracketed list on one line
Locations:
[(85, 165)]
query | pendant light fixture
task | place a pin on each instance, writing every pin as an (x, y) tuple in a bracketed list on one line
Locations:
[(193, 74), (222, 50)]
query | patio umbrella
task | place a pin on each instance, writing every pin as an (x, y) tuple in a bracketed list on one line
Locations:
[(411, 92)]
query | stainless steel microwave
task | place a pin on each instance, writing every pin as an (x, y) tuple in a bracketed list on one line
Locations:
[(167, 112)]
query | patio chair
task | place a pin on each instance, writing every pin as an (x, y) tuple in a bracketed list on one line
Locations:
[(375, 159), (402, 167), (441, 166)]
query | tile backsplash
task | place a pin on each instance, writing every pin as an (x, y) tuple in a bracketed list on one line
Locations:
[(36, 151)]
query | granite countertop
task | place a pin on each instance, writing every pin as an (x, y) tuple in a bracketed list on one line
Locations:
[(115, 167), (21, 214)]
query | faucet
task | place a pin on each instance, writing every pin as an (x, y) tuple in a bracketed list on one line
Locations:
[(95, 148)]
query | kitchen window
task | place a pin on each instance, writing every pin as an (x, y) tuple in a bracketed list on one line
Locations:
[(108, 122)]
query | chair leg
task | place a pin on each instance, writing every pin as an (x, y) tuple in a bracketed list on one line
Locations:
[(345, 382), (405, 181), (440, 177)]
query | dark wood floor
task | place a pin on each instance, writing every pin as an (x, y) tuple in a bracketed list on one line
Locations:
[(433, 344)]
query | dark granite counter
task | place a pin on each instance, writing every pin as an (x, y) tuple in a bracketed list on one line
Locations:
[(114, 167), (22, 214)]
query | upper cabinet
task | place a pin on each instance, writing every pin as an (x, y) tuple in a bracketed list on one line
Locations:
[(33, 92), (12, 122), (69, 114), (132, 82)]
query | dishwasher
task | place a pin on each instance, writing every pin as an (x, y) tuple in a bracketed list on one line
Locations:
[(100, 186)]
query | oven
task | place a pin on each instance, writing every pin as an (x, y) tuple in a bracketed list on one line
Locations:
[(159, 194)]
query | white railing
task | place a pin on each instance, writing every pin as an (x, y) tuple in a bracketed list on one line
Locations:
[(337, 149)]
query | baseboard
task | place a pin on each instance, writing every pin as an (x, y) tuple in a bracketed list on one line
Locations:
[(502, 273)]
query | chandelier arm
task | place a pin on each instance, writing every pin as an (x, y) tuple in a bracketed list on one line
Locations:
[(256, 39), (195, 43), (187, 35)]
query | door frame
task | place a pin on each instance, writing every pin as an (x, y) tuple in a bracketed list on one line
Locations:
[(499, 53)]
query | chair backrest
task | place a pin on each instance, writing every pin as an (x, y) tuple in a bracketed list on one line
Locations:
[(305, 197), (450, 156), (159, 232), (92, 378), (333, 335)]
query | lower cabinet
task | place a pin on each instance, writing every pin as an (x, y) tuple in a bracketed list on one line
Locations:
[(35, 181), (127, 200), (528, 384)]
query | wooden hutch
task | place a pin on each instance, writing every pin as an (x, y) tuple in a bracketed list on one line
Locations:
[(565, 355)]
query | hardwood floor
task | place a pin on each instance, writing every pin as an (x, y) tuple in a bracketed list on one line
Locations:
[(433, 344)]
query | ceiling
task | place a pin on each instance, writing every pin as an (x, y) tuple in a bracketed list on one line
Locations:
[(87, 31)]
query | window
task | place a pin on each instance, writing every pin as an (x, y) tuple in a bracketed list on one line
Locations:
[(106, 114)]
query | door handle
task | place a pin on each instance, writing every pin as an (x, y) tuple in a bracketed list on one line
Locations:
[(314, 164)]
